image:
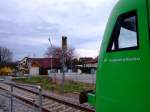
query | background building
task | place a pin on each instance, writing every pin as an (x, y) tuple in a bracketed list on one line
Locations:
[(38, 66)]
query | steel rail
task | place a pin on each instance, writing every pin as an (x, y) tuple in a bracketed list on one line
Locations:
[(27, 101), (71, 104)]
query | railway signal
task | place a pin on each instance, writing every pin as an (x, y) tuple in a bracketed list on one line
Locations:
[(64, 42)]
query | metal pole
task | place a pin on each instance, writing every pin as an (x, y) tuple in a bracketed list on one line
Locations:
[(52, 51), (51, 63), (40, 99), (11, 101), (63, 71), (71, 65), (93, 78)]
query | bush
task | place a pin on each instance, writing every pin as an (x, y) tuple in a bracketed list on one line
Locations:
[(5, 71)]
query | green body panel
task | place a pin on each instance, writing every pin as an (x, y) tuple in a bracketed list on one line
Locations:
[(91, 99), (124, 86)]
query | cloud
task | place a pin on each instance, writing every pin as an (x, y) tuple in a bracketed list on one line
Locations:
[(91, 53), (29, 23)]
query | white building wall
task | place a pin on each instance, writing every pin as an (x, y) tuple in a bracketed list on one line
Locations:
[(34, 71), (91, 65)]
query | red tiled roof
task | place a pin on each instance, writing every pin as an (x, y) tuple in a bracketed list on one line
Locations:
[(92, 61), (47, 62)]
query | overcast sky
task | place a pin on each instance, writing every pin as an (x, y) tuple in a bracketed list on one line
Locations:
[(26, 25)]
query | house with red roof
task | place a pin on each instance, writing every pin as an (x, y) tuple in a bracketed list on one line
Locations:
[(92, 65), (88, 64), (38, 66)]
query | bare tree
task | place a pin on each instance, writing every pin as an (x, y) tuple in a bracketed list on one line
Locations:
[(5, 55), (56, 52)]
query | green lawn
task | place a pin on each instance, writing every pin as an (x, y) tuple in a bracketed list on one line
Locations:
[(48, 84)]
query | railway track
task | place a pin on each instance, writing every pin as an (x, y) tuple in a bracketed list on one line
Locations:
[(50, 102)]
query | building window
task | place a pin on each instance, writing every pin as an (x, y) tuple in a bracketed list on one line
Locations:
[(125, 33)]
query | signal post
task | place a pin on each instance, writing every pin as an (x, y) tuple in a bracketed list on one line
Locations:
[(64, 48)]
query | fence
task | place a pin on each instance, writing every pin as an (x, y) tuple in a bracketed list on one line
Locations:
[(9, 102), (85, 78)]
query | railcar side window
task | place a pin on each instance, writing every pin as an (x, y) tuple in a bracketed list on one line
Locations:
[(124, 35)]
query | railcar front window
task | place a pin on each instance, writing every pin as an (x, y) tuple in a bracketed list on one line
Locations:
[(124, 35)]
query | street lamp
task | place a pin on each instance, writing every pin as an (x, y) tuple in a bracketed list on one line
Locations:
[(51, 55)]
